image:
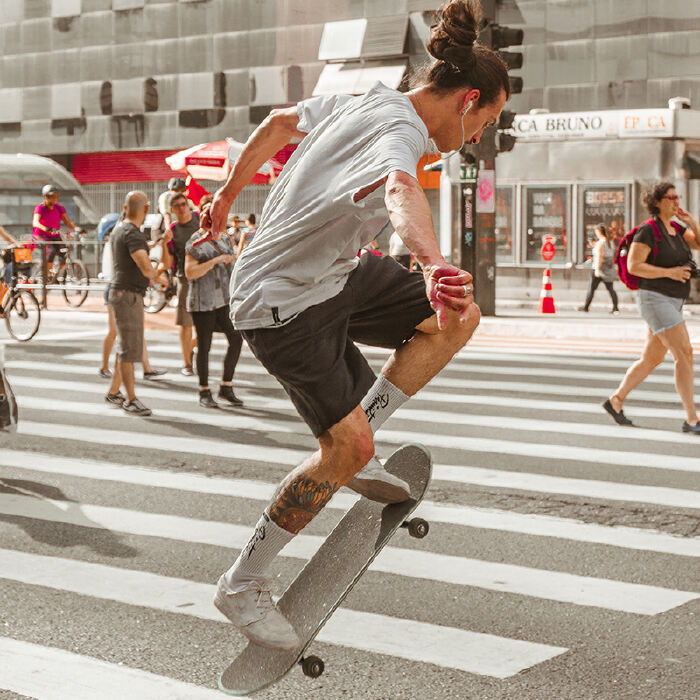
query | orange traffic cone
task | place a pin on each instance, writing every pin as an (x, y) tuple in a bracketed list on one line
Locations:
[(546, 298)]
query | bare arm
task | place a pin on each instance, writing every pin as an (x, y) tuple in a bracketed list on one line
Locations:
[(692, 234), (7, 237), (637, 266), (410, 216), (599, 248), (409, 211), (195, 269), (67, 221), (275, 132), (36, 223), (140, 257)]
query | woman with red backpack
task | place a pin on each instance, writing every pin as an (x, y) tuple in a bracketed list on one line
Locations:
[(660, 258)]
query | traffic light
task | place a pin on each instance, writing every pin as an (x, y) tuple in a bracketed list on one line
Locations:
[(505, 140), (498, 37)]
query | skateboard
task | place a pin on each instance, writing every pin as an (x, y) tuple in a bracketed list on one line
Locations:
[(330, 575)]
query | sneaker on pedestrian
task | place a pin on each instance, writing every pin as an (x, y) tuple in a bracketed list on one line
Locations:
[(206, 400), (115, 399), (687, 428), (615, 312), (254, 613), (226, 394), (377, 484), (104, 373), (136, 408), (187, 371), (154, 373), (583, 308)]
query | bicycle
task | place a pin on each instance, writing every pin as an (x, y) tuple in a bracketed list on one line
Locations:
[(156, 297), (21, 309), (69, 271)]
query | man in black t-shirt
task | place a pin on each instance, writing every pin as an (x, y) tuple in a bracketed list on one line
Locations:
[(132, 272), (185, 224)]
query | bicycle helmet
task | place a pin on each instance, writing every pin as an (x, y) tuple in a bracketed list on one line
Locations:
[(48, 189), (177, 183)]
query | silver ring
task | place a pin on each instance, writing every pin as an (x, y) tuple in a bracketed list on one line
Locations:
[(467, 290)]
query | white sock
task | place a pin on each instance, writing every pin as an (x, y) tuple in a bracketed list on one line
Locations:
[(255, 558), (381, 401)]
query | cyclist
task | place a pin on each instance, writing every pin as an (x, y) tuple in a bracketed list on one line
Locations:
[(47, 220)]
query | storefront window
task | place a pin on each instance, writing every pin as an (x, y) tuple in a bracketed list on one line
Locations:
[(547, 215), (504, 224), (605, 205)]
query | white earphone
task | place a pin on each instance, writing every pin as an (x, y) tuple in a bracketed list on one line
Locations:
[(468, 107)]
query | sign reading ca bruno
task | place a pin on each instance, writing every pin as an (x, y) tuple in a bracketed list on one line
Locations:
[(597, 125)]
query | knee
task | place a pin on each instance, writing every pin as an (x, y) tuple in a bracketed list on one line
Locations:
[(683, 355), (459, 332)]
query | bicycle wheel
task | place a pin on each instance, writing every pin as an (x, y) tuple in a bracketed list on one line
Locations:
[(154, 299), (22, 315), (75, 273)]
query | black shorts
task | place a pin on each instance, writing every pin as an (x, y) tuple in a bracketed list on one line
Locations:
[(314, 356)]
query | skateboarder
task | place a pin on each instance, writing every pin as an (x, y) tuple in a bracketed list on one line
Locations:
[(302, 298)]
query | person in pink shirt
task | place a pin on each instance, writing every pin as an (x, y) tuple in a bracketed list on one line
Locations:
[(47, 221)]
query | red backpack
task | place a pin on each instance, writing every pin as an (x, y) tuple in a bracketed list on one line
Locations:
[(626, 277)]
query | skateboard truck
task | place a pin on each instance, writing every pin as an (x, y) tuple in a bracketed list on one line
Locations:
[(417, 527), (312, 666)]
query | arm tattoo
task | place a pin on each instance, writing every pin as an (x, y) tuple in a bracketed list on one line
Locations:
[(298, 500)]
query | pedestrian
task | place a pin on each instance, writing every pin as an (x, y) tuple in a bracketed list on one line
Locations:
[(7, 243), (302, 297), (664, 267), (176, 185), (603, 268), (185, 224), (399, 250), (8, 403), (208, 261), (246, 234), (149, 372), (132, 271)]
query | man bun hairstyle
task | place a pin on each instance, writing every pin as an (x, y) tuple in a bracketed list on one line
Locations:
[(653, 194), (460, 61)]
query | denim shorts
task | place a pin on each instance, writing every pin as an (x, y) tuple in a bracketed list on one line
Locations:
[(660, 311)]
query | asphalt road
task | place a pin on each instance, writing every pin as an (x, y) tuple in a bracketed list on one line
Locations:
[(561, 560)]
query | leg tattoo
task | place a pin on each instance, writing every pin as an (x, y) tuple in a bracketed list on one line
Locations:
[(298, 500)]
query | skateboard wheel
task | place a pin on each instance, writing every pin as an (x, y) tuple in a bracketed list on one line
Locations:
[(417, 527), (312, 666)]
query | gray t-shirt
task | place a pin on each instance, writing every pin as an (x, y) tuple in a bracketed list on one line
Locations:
[(311, 226)]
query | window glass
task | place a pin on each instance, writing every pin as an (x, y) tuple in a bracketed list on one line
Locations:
[(605, 205), (547, 215), (504, 224)]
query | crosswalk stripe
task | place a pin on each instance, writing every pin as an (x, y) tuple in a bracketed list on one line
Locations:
[(469, 365), (55, 674), (285, 456), (243, 488), (416, 641), (466, 516), (152, 390), (591, 488), (456, 385), (459, 571), (236, 421)]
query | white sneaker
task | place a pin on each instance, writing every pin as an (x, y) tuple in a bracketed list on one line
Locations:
[(254, 613), (377, 484)]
